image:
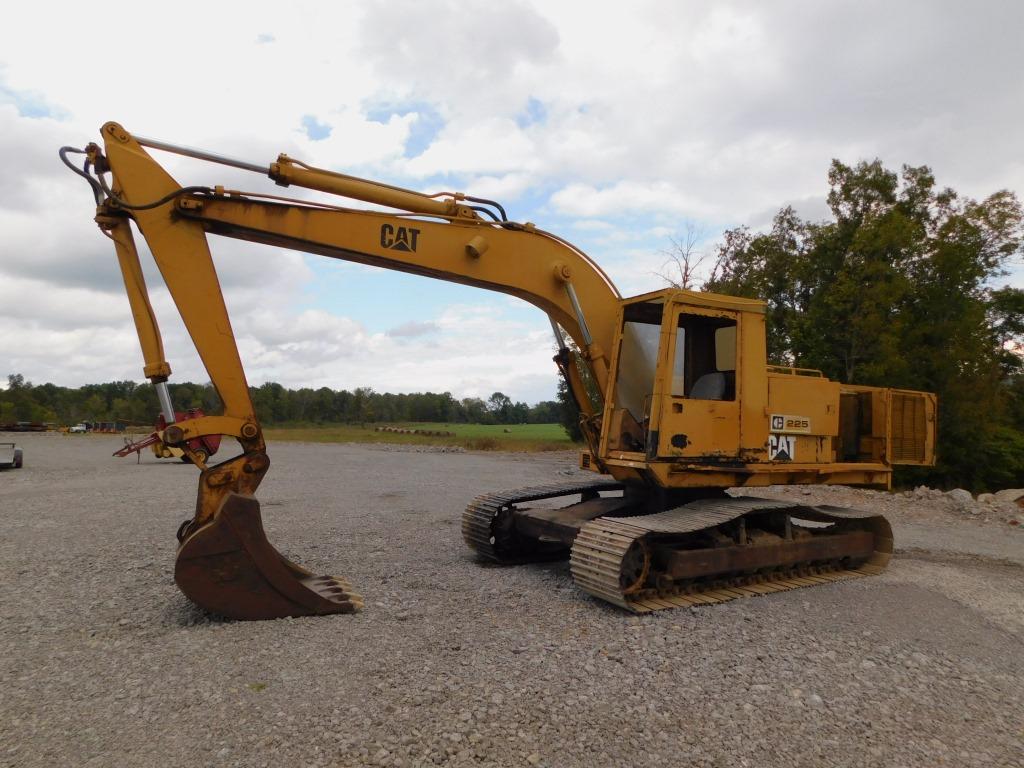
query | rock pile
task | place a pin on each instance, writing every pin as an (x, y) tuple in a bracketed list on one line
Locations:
[(1006, 505)]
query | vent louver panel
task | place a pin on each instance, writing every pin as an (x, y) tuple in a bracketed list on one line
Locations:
[(909, 428)]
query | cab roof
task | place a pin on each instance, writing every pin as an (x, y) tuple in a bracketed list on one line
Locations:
[(699, 299)]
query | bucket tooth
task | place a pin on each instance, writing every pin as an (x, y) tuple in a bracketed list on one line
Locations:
[(228, 567)]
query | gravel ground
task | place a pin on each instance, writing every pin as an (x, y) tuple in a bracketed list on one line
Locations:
[(104, 663)]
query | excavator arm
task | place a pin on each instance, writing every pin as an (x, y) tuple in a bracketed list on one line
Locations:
[(224, 561)]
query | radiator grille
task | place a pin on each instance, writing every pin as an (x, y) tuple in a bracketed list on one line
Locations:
[(909, 427)]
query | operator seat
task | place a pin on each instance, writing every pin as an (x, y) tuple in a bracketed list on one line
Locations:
[(720, 385)]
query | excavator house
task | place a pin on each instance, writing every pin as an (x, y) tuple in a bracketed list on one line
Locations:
[(677, 400)]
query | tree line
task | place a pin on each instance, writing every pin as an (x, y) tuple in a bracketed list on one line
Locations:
[(130, 402)]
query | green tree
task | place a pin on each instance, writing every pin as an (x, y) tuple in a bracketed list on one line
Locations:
[(501, 407), (94, 409), (545, 412), (1006, 317), (363, 405), (475, 410), (569, 412), (520, 413)]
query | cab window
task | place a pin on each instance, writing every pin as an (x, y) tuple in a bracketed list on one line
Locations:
[(704, 365), (638, 358)]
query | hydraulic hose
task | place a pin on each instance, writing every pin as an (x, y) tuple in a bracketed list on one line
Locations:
[(492, 203), (101, 189), (156, 203), (97, 191)]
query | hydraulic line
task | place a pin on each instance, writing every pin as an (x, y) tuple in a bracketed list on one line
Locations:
[(492, 203), (574, 299), (484, 201), (559, 338), (156, 203), (97, 191), (481, 209)]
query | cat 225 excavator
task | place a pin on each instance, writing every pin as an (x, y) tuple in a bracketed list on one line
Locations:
[(677, 400)]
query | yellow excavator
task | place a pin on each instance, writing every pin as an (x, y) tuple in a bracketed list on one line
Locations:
[(677, 400)]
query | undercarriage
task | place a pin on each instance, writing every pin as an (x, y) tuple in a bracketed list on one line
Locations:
[(652, 551)]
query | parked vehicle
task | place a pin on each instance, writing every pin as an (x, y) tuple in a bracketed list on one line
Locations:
[(10, 456)]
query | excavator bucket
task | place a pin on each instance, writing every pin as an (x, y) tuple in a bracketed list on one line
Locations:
[(228, 567)]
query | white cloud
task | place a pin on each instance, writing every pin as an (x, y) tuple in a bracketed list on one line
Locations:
[(493, 146), (501, 188), (643, 115), (625, 196), (412, 330)]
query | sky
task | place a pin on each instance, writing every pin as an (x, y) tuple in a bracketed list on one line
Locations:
[(615, 125)]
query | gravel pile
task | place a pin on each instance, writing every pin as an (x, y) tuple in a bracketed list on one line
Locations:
[(104, 663)]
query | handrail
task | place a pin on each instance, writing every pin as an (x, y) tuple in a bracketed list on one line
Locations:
[(792, 370)]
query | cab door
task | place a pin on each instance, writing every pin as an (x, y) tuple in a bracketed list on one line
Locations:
[(629, 414), (700, 413)]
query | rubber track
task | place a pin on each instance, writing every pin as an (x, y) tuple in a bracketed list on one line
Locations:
[(601, 545), (480, 514)]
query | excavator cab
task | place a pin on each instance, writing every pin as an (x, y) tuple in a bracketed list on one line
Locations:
[(678, 382)]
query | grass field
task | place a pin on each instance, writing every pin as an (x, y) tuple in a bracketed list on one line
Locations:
[(473, 437)]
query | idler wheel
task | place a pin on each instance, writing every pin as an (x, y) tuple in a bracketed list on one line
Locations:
[(636, 564)]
